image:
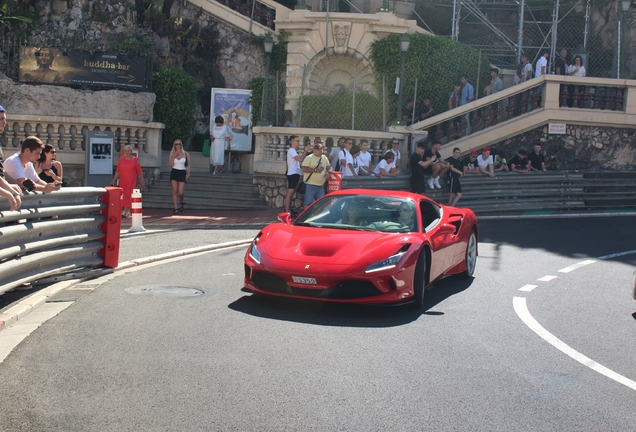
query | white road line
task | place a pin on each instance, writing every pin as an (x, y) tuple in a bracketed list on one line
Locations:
[(617, 254), (547, 278), (527, 288), (521, 309), (573, 267)]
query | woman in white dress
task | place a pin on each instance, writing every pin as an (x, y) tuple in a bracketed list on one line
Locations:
[(219, 135)]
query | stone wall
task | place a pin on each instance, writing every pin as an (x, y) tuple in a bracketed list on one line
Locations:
[(103, 25), (274, 189), (48, 100), (581, 148)]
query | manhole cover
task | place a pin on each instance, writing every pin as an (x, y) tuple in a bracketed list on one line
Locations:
[(167, 291)]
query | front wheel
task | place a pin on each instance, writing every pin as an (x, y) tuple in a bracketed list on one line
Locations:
[(419, 281), (471, 255)]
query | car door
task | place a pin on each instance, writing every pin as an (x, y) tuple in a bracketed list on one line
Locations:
[(441, 236)]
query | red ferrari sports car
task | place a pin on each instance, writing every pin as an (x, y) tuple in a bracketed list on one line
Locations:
[(363, 246)]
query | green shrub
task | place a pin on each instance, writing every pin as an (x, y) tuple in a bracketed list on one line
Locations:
[(176, 104), (435, 62), (334, 112)]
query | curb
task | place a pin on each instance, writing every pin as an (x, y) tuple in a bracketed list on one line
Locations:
[(27, 305)]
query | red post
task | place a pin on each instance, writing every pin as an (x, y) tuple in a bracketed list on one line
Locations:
[(335, 181), (112, 226)]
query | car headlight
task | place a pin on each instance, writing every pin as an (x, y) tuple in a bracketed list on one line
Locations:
[(386, 263), (255, 254)]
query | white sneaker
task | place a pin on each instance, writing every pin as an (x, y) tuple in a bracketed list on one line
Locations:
[(436, 183), (430, 183)]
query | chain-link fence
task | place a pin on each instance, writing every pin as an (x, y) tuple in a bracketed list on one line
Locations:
[(372, 108), (575, 30)]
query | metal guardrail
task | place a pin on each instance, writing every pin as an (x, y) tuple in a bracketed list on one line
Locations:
[(57, 233)]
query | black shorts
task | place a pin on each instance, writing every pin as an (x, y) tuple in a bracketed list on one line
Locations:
[(178, 175), (455, 186), (292, 181)]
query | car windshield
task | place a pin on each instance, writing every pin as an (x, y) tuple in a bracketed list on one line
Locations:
[(361, 212)]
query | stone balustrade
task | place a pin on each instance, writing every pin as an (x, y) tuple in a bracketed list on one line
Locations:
[(270, 154), (67, 135)]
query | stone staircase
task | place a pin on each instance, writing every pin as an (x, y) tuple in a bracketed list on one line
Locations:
[(518, 193), (207, 192)]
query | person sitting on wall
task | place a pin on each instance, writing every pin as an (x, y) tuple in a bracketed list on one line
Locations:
[(469, 164)]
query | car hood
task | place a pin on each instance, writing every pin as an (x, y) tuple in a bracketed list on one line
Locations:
[(327, 245)]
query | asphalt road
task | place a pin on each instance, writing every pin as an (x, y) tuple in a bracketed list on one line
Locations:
[(131, 356)]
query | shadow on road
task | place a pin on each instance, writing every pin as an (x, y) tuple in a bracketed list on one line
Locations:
[(344, 314)]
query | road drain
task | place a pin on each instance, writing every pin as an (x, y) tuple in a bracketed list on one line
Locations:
[(167, 291)]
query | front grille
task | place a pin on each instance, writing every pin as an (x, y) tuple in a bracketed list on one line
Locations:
[(351, 289)]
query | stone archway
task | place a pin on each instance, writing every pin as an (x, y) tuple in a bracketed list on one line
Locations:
[(333, 73)]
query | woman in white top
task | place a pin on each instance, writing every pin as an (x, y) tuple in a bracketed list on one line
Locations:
[(578, 70), (220, 134), (179, 160)]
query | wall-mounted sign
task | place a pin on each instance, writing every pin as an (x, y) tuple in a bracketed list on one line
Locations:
[(54, 66), (557, 128), (234, 106)]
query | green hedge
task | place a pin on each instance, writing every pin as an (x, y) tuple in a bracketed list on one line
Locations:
[(435, 61), (334, 112), (176, 104)]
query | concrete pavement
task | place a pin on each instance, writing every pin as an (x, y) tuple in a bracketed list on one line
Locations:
[(163, 218)]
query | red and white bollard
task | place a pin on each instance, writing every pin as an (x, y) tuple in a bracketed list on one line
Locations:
[(335, 181), (136, 212)]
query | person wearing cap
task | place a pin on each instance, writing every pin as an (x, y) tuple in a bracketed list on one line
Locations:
[(11, 192), (395, 145), (485, 162), (469, 164), (434, 165), (316, 169)]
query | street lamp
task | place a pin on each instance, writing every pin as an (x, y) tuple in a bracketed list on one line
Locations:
[(268, 43), (405, 41), (625, 4)]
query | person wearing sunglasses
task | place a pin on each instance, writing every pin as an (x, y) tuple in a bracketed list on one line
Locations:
[(179, 160), (48, 168)]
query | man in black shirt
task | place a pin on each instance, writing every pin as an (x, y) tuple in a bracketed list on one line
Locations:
[(469, 164), (519, 163), (537, 160), (417, 169), (560, 64), (455, 173)]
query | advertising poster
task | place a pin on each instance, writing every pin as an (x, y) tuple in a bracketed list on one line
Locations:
[(234, 106), (101, 152), (55, 66)]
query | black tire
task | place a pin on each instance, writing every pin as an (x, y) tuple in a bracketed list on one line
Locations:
[(470, 258), (419, 281)]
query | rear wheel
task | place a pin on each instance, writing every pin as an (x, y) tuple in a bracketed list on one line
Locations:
[(419, 281), (471, 255)]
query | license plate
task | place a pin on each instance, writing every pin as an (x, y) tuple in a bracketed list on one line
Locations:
[(304, 280)]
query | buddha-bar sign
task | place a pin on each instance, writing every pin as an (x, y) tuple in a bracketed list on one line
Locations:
[(81, 68)]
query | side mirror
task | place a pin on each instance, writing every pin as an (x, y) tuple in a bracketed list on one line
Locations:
[(284, 218), (447, 229)]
